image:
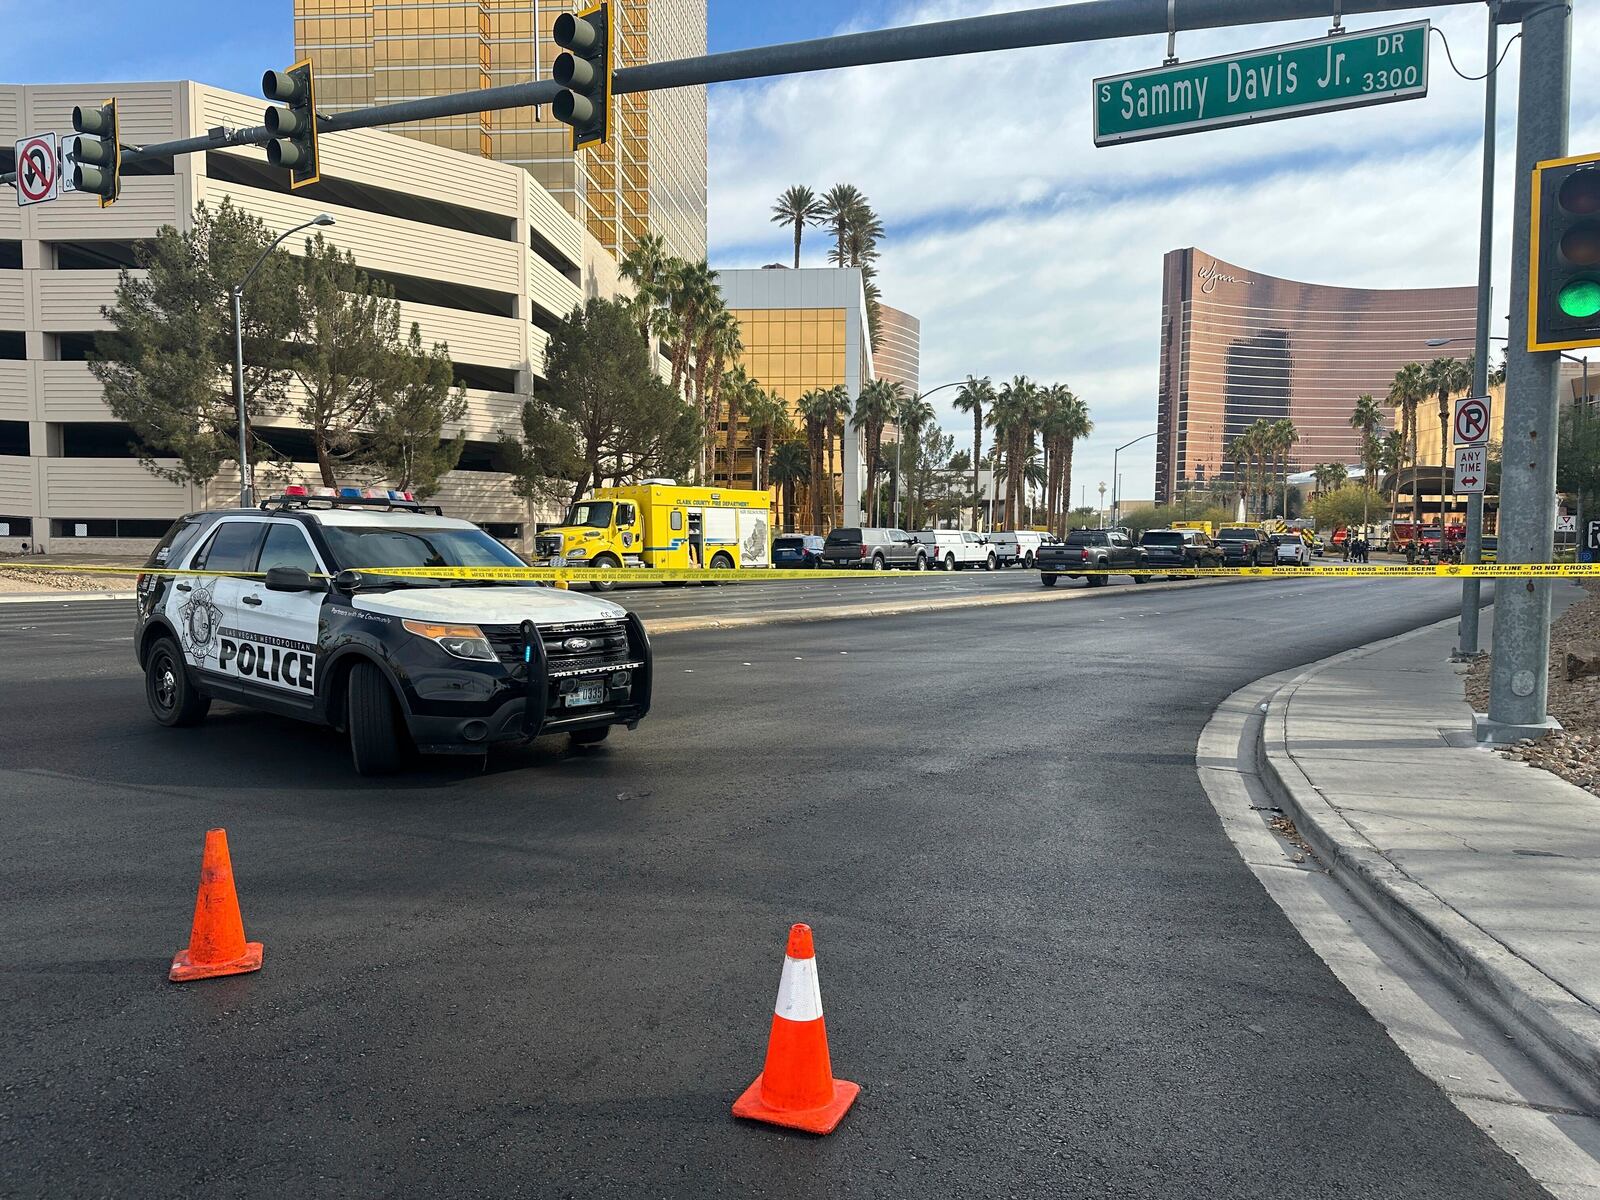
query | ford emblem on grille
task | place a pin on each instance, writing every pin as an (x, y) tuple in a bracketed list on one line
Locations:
[(577, 645)]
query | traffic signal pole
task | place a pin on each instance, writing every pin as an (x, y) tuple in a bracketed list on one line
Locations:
[(1467, 637), (1519, 670)]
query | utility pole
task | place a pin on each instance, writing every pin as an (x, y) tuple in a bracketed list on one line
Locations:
[(1519, 671), (1467, 636)]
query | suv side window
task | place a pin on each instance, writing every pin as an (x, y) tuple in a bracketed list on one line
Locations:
[(232, 548), (286, 546)]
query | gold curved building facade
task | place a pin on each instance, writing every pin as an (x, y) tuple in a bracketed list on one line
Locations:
[(1238, 346)]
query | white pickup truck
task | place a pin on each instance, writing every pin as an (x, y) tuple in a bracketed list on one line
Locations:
[(951, 549)]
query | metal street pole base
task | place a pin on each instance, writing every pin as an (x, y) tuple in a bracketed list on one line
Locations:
[(1458, 655), (1496, 733)]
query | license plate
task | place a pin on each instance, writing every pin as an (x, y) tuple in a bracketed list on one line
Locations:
[(587, 693)]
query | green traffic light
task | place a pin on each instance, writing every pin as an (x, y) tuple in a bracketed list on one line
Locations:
[(1580, 298)]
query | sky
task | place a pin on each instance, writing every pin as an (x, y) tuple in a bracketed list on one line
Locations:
[(1022, 248)]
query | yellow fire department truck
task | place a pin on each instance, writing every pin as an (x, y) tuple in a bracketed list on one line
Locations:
[(656, 523)]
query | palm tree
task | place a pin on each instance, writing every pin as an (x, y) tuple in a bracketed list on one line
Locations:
[(1239, 451), (1392, 457), (842, 204), (1446, 377), (649, 268), (816, 408), (875, 407), (738, 390), (1066, 422), (1368, 418), (797, 206), (790, 467), (692, 292), (974, 396), (767, 419), (719, 341), (1013, 415), (1405, 394), (913, 416), (1284, 438)]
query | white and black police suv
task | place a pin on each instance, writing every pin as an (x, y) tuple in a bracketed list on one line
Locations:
[(446, 666)]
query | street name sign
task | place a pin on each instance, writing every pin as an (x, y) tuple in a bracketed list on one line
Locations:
[(1472, 421), (38, 169), (1374, 66), (1472, 470)]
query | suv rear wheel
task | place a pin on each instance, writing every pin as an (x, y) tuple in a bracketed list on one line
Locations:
[(949, 561), (877, 562), (376, 742), (173, 699)]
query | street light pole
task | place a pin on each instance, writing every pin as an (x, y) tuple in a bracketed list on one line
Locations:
[(900, 445), (246, 490), (1116, 479)]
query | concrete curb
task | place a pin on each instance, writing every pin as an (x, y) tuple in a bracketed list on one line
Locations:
[(1552, 1024), (796, 616), (61, 597)]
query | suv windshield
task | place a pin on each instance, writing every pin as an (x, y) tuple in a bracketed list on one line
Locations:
[(1161, 539), (359, 547), (1237, 535), (592, 514)]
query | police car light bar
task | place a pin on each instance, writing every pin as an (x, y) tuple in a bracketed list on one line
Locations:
[(299, 496)]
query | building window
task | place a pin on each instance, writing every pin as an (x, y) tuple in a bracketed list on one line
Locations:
[(10, 256), (95, 256), (98, 439), (14, 438), (13, 344), (16, 526)]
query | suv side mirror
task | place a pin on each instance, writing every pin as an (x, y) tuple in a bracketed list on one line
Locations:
[(292, 579)]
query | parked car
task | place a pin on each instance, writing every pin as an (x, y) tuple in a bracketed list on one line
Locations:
[(797, 550), (874, 549), (1179, 548), (1100, 550), (1491, 549), (949, 549), (1012, 547), (1289, 550), (1243, 546)]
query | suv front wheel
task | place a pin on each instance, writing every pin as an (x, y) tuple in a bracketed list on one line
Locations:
[(173, 699), (376, 740)]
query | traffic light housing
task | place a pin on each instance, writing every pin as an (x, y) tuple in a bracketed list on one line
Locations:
[(584, 70), (98, 169), (293, 122), (1564, 259)]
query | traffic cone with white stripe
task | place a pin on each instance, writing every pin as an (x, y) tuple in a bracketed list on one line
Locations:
[(797, 1089)]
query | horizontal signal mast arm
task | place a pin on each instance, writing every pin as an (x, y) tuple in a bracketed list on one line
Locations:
[(1092, 20)]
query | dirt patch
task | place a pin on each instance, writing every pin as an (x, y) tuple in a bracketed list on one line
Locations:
[(17, 581), (1574, 753)]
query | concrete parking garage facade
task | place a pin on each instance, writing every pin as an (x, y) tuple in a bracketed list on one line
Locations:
[(480, 255)]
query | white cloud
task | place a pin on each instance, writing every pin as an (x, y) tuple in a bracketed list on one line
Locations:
[(1026, 250)]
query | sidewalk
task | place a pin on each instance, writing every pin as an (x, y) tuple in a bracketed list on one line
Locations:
[(1489, 869)]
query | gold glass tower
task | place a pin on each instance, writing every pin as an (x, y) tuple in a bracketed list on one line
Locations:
[(651, 177)]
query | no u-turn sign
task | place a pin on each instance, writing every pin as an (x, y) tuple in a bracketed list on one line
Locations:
[(38, 169)]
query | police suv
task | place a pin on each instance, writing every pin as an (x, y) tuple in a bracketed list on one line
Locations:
[(447, 666)]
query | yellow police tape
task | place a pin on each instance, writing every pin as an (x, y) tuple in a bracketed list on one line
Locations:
[(759, 575)]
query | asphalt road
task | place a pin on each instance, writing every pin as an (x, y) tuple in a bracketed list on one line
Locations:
[(1040, 956)]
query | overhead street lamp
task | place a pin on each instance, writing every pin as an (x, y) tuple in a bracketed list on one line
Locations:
[(900, 445), (1494, 337), (1116, 479), (246, 491)]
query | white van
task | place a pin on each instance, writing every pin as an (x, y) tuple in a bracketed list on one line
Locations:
[(1011, 548), (949, 549)]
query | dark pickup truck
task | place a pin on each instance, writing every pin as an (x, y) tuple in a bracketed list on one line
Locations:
[(1246, 547), (1088, 550)]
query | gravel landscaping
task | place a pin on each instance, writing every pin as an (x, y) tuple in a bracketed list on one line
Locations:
[(1574, 753)]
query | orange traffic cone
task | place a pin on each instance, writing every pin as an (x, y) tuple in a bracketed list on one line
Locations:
[(797, 1088), (216, 943)]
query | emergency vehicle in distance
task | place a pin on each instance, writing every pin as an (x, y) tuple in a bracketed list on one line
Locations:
[(656, 523), (445, 666)]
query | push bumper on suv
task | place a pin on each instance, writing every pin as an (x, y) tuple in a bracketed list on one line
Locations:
[(563, 678)]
